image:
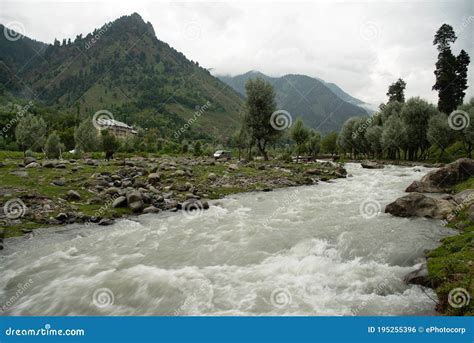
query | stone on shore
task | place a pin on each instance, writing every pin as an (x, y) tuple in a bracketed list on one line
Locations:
[(419, 205)]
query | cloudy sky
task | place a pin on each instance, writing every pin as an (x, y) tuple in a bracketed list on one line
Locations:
[(362, 46)]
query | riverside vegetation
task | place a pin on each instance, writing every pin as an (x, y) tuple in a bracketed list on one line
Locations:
[(55, 188), (53, 192)]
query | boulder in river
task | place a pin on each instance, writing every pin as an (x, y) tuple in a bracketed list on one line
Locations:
[(372, 165), (449, 175), (420, 187), (419, 205), (419, 276)]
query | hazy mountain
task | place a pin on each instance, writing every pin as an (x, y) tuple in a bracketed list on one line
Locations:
[(121, 67), (323, 106)]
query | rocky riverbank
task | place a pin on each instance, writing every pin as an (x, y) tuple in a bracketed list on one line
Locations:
[(55, 192), (447, 194)]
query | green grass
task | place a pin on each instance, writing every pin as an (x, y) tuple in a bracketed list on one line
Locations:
[(38, 182)]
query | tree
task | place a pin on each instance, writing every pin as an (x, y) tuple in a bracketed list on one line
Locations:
[(86, 137), (241, 140), (374, 140), (313, 144), (467, 133), (53, 146), (300, 134), (439, 133), (260, 106), (450, 72), (197, 148), (110, 144), (394, 136), (345, 139), (30, 132), (329, 143), (462, 62), (396, 91), (415, 114), (386, 111)]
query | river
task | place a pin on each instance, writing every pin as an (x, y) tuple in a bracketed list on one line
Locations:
[(326, 249)]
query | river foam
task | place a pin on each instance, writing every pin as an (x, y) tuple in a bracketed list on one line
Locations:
[(326, 249)]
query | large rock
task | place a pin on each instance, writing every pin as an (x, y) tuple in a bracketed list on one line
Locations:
[(419, 205), (154, 178), (419, 276), (465, 197), (73, 195), (371, 165), (29, 160), (135, 201), (420, 187), (451, 174), (121, 201)]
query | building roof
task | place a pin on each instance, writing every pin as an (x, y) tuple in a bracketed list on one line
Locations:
[(112, 122)]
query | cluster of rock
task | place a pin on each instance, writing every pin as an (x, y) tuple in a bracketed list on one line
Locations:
[(151, 185), (436, 205)]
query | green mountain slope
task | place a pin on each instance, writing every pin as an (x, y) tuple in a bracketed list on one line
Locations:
[(123, 68), (309, 98)]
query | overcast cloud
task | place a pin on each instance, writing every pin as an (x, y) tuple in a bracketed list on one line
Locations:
[(362, 46)]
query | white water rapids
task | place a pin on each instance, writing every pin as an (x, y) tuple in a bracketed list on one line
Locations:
[(313, 250)]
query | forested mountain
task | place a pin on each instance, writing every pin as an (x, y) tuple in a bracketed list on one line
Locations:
[(322, 106), (123, 68)]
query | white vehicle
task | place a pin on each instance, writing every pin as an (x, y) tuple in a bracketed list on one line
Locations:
[(222, 154)]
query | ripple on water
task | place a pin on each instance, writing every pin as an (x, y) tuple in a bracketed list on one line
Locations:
[(298, 251)]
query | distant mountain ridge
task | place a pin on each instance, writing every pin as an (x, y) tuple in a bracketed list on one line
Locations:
[(124, 68), (321, 105)]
